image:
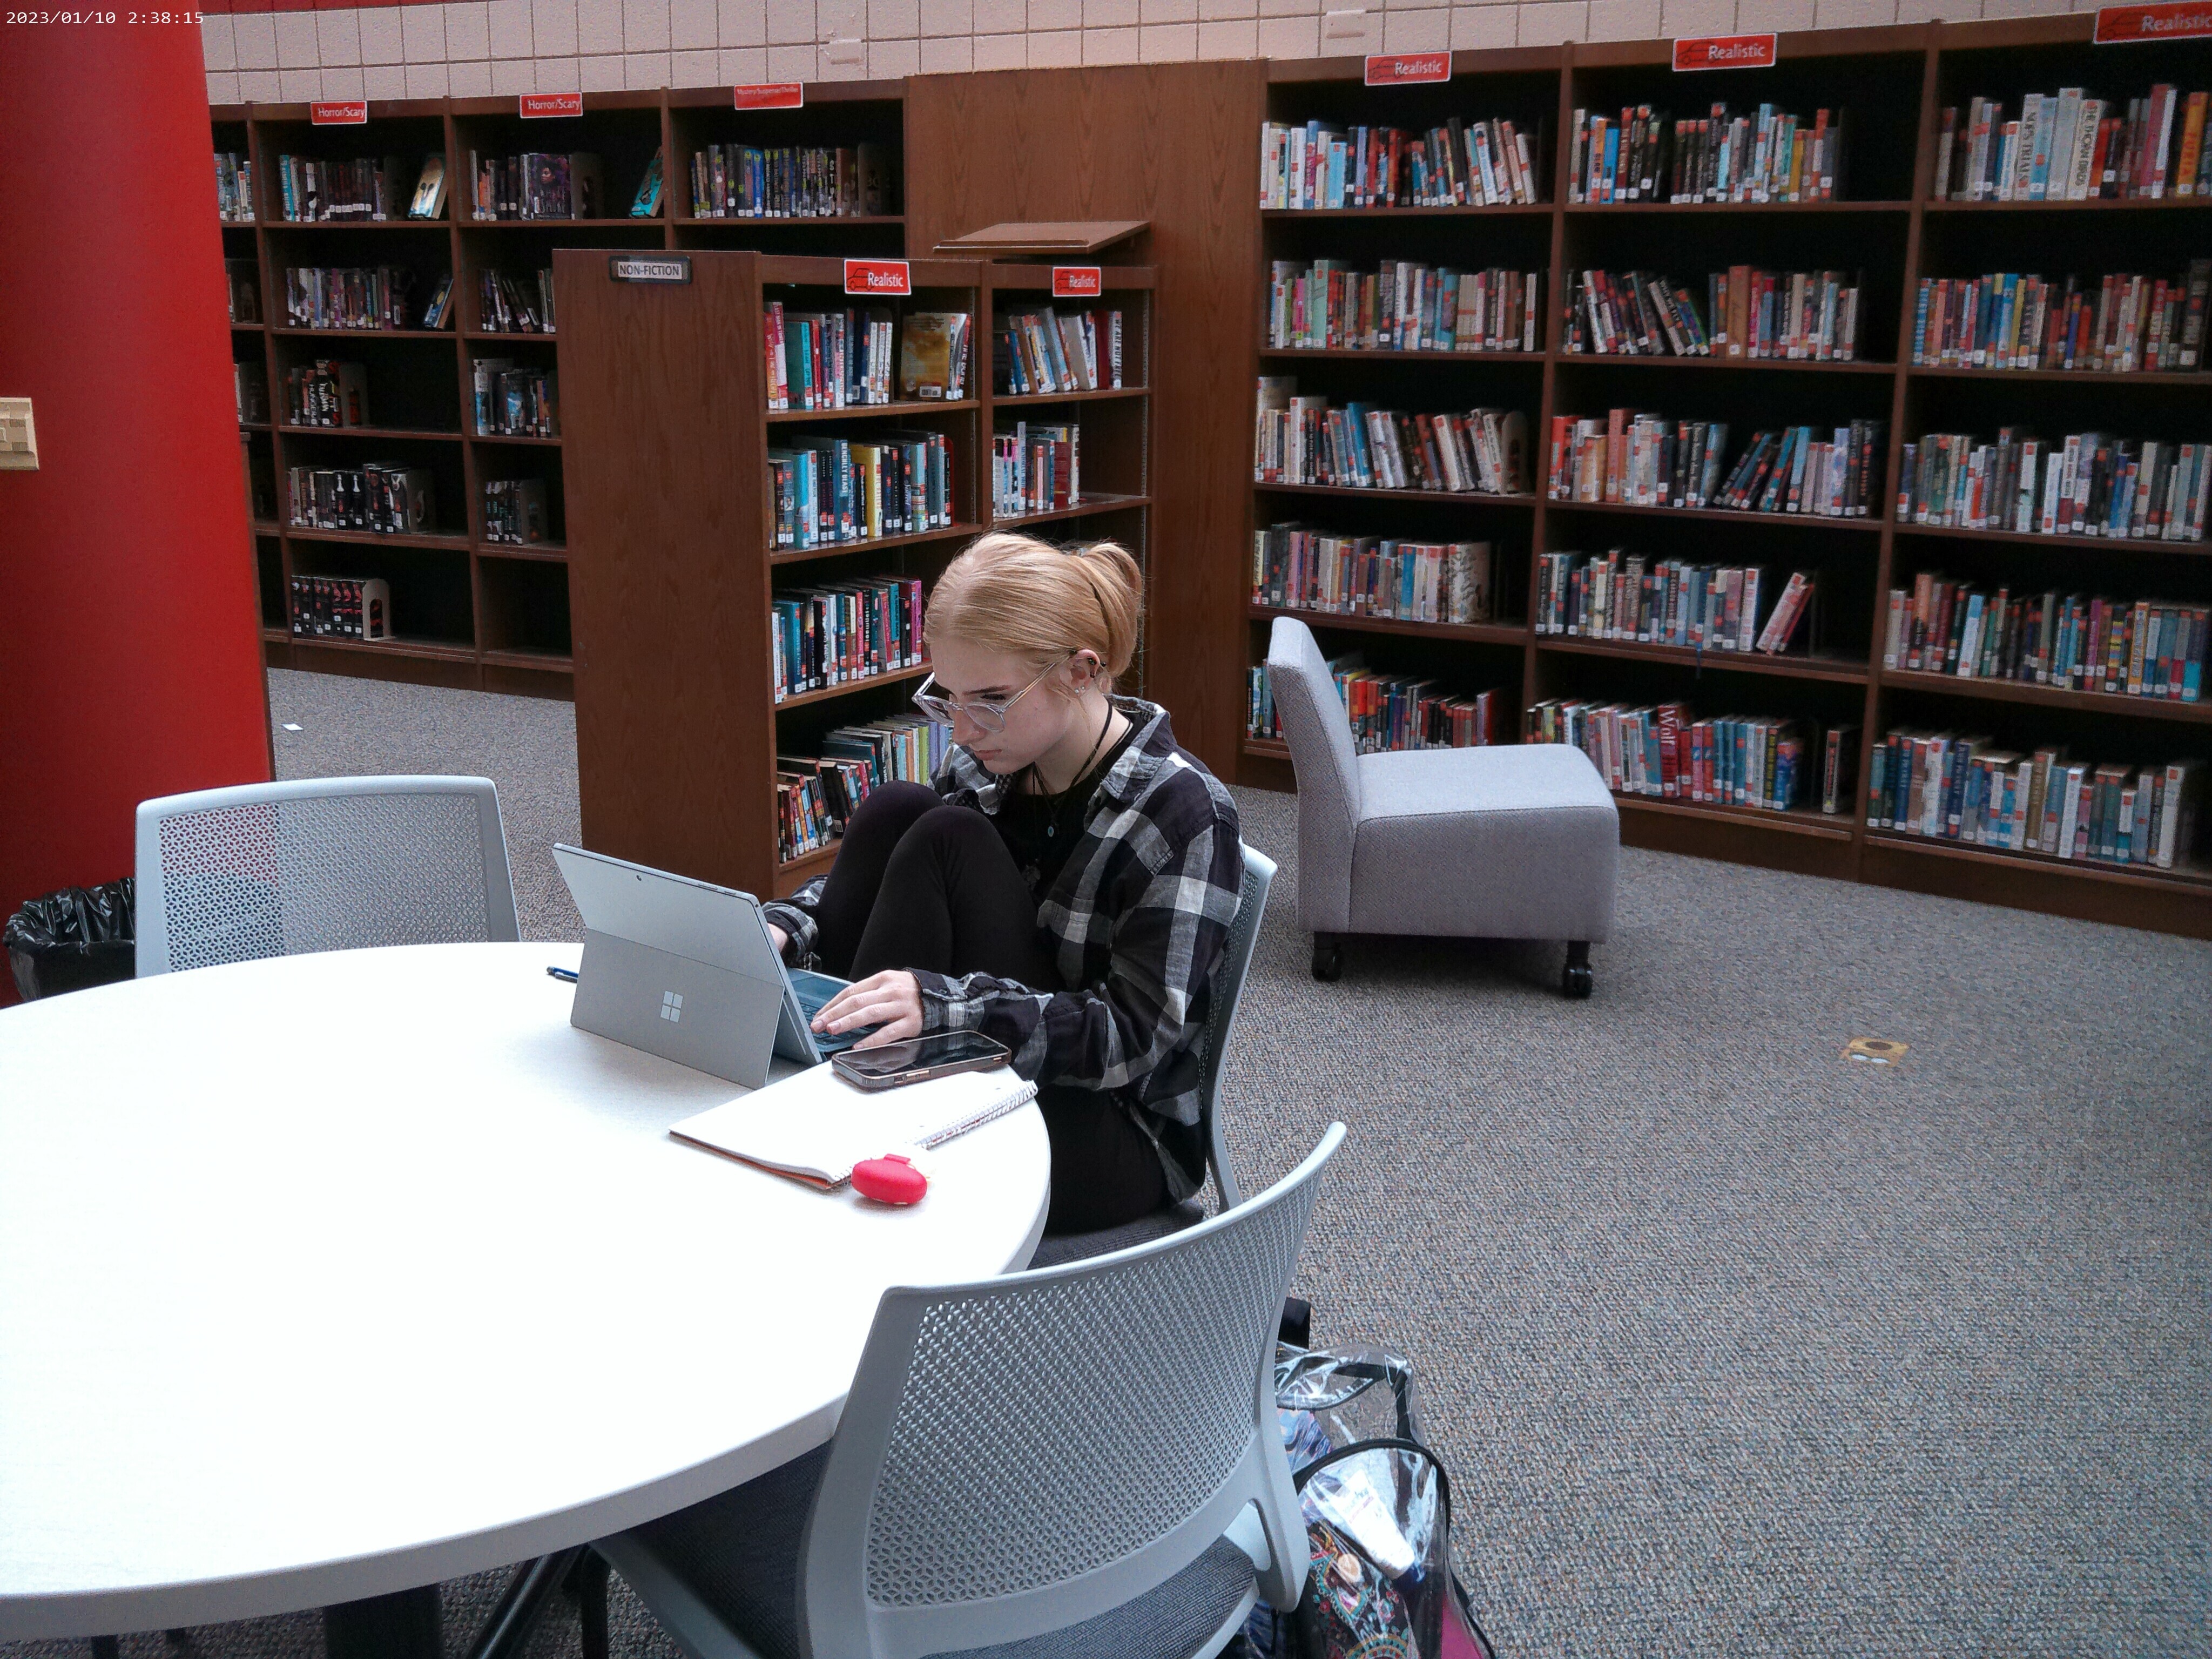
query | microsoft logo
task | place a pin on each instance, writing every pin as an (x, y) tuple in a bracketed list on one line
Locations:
[(671, 1007)]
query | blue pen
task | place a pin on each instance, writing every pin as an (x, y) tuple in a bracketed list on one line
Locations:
[(562, 973)]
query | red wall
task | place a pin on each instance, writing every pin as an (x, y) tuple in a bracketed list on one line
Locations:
[(130, 642)]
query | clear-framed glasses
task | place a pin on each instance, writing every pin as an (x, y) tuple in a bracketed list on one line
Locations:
[(986, 715)]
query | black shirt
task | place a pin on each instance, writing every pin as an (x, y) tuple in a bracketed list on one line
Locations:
[(1041, 832)]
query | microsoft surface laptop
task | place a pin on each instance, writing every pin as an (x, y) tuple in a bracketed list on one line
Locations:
[(686, 970)]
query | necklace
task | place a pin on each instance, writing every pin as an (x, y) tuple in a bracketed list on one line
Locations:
[(1054, 803)]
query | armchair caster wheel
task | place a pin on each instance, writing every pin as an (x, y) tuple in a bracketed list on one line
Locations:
[(1576, 982), (1327, 957)]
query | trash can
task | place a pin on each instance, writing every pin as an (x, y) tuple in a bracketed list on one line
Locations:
[(79, 937)]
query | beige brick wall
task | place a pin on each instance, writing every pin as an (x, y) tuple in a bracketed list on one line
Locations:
[(469, 48)]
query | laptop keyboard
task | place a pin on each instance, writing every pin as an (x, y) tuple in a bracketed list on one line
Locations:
[(815, 991)]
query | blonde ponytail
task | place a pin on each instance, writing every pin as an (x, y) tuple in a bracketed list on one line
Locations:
[(1027, 599)]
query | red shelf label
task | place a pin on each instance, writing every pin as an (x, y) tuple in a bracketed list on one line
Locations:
[(1400, 69), (771, 94), (1724, 51), (1077, 282), (352, 114), (542, 106), (2178, 19), (880, 276)]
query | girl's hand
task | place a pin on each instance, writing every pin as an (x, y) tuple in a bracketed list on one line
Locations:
[(776, 937), (891, 1001)]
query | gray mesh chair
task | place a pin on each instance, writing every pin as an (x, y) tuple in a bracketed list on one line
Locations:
[(321, 864), (1062, 1462), (1511, 840), (1228, 988)]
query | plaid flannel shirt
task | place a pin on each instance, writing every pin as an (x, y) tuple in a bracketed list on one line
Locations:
[(1137, 917)]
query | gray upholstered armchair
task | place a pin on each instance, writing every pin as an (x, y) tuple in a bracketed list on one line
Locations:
[(1511, 841)]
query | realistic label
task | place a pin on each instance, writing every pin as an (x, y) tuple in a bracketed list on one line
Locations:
[(351, 113), (649, 267), (1076, 283), (1720, 51), (1399, 68), (771, 94), (883, 277), (2118, 26), (543, 105)]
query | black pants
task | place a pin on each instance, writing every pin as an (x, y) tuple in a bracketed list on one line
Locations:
[(921, 885)]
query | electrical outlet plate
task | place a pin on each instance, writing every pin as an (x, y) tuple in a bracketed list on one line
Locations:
[(19, 439)]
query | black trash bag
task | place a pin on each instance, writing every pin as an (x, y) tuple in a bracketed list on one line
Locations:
[(74, 939)]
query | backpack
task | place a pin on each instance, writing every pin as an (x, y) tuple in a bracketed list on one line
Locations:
[(1377, 1505)]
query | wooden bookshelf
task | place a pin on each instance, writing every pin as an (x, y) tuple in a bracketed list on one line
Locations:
[(679, 723), (1893, 83), (497, 616)]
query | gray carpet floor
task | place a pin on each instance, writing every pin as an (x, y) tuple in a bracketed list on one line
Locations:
[(1732, 1346)]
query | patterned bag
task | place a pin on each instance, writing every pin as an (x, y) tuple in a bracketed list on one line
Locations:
[(1378, 1506)]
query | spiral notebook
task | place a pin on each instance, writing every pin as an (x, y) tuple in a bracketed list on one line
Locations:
[(814, 1126)]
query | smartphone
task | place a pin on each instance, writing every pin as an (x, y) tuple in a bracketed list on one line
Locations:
[(919, 1059)]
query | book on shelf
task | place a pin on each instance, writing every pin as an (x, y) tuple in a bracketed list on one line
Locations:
[(363, 190), (251, 381), (2068, 642), (1765, 155), (1392, 711), (791, 181), (1037, 467), (646, 204), (2069, 147), (429, 198), (1297, 568), (537, 184), (1488, 163), (342, 608), (934, 354), (833, 635), (440, 311), (1810, 316), (2121, 323), (1624, 597), (1662, 752), (1630, 458), (840, 359), (1301, 440), (233, 188), (1945, 787), (514, 512), (326, 394), (1040, 349), (515, 402), (817, 794), (859, 487), (1327, 305), (378, 496), (515, 305), (242, 283), (2090, 483), (373, 297)]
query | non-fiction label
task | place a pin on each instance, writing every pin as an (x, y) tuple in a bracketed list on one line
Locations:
[(1720, 51), (1400, 69), (1077, 282), (544, 105), (353, 112), (880, 276), (2179, 20), (771, 94), (649, 267)]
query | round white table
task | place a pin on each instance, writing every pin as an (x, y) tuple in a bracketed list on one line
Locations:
[(328, 1276)]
